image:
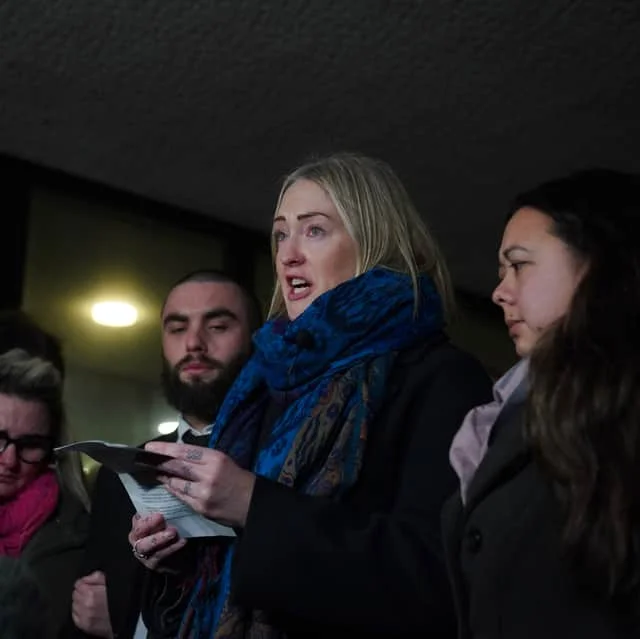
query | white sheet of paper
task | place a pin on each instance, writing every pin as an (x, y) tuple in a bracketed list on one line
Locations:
[(134, 464), (156, 499)]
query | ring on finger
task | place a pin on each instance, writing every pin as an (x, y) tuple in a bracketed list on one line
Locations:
[(136, 552), (186, 488)]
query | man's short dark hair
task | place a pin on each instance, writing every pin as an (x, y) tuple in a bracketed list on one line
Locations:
[(252, 305)]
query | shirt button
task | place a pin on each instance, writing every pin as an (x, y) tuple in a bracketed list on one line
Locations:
[(473, 540)]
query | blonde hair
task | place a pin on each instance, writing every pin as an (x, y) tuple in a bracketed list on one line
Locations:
[(36, 379), (379, 215)]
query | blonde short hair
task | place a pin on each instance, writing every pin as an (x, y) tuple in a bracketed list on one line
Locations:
[(379, 215)]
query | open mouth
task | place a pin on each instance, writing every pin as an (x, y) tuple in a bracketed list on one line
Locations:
[(298, 283), (298, 288)]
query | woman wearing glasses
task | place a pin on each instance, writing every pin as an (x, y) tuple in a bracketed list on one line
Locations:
[(43, 521)]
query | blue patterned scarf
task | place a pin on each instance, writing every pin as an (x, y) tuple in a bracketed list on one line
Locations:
[(329, 369)]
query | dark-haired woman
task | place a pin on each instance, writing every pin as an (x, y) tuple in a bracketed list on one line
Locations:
[(543, 539)]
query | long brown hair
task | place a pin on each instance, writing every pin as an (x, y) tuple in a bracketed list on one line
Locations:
[(584, 404)]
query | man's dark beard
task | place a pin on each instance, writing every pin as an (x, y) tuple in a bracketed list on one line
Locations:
[(200, 399)]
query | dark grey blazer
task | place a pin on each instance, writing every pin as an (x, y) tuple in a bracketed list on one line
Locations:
[(504, 553)]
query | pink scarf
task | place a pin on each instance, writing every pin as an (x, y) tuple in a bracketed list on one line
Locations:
[(21, 517)]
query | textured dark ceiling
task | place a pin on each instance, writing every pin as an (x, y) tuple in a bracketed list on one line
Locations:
[(206, 104)]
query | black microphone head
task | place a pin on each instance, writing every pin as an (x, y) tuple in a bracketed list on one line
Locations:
[(304, 339)]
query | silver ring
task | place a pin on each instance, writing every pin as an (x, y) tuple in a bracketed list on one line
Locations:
[(138, 554)]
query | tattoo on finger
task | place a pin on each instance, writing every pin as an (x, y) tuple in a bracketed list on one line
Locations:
[(194, 455), (187, 472)]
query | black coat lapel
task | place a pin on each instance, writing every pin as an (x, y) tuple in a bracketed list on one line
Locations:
[(452, 521)]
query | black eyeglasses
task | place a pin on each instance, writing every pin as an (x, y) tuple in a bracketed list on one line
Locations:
[(31, 449)]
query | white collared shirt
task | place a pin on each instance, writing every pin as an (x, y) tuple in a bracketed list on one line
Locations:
[(184, 427)]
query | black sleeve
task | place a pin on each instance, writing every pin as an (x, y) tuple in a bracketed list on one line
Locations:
[(56, 574), (382, 572), (111, 514), (90, 559), (108, 550)]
